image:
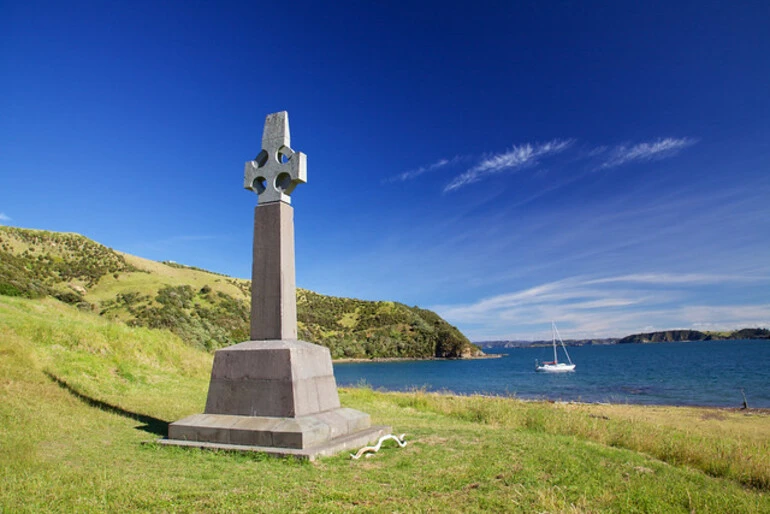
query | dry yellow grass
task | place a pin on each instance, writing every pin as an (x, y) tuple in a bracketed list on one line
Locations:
[(158, 276), (748, 425), (720, 442)]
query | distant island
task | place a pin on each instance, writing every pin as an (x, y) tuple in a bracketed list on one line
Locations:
[(664, 336), (671, 336), (537, 344)]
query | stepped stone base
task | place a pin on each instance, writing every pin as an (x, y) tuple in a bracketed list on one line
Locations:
[(275, 378), (278, 397), (308, 437)]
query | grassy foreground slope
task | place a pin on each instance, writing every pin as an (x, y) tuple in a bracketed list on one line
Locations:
[(80, 394), (205, 309)]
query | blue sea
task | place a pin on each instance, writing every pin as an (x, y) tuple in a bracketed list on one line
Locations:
[(708, 373)]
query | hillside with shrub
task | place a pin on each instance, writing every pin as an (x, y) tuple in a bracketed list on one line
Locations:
[(208, 310), (362, 329)]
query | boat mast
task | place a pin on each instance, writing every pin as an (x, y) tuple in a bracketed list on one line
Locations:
[(553, 338), (556, 332)]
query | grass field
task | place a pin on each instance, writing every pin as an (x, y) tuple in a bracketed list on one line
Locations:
[(80, 396)]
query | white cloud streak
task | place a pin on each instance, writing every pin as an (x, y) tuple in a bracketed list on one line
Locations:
[(412, 174), (672, 278), (529, 154), (4, 217), (517, 157), (609, 307), (660, 149)]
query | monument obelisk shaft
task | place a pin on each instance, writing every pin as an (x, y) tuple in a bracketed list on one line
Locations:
[(273, 175), (273, 288)]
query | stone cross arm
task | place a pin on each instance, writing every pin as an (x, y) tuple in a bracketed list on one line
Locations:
[(277, 169)]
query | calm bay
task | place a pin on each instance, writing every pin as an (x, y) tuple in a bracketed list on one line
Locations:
[(707, 373)]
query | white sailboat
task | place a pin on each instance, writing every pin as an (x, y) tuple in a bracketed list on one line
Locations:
[(555, 366)]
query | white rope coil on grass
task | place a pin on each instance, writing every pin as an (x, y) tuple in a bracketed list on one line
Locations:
[(399, 439)]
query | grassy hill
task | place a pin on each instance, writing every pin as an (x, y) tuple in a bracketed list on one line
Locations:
[(205, 309), (80, 394)]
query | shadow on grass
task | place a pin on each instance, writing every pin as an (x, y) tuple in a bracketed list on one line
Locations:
[(152, 425)]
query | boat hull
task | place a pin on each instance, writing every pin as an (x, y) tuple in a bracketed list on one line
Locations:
[(555, 368)]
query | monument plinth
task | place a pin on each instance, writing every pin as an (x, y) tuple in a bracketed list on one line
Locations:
[(274, 394)]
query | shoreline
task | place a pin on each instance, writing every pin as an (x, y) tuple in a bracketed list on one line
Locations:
[(749, 410), (409, 359)]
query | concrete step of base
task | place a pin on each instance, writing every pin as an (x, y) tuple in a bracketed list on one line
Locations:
[(328, 448), (295, 432)]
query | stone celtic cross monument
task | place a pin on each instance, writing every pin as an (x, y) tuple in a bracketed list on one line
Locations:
[(274, 394)]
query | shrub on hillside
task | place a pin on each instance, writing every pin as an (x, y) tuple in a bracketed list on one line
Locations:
[(208, 322)]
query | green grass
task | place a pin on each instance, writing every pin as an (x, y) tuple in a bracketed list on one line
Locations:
[(80, 395)]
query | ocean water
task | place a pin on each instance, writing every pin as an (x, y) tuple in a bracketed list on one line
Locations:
[(709, 373)]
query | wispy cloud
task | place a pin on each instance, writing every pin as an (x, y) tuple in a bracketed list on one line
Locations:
[(596, 151), (412, 174), (660, 149), (4, 217), (517, 157), (611, 306), (673, 278), (530, 154)]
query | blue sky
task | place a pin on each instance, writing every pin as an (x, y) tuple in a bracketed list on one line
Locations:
[(606, 165)]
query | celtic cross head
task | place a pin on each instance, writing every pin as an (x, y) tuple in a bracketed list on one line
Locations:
[(277, 169)]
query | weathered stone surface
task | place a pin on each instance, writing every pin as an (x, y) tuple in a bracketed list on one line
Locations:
[(298, 432), (275, 396), (277, 169), (331, 447), (272, 378), (273, 287)]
